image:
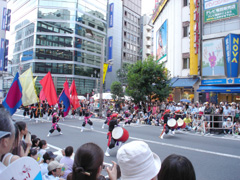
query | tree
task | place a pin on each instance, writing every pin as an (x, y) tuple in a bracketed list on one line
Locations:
[(116, 90), (148, 79), (122, 73)]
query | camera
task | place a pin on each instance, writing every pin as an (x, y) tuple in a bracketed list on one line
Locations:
[(105, 165)]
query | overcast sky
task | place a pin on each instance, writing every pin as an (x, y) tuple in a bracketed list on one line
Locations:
[(147, 6)]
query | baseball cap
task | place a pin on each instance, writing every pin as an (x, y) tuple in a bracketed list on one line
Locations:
[(54, 165), (51, 155), (229, 119), (4, 133), (137, 161)]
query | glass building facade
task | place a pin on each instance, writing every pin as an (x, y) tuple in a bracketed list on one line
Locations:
[(60, 36)]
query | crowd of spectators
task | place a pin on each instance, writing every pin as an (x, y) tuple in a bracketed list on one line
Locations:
[(135, 159)]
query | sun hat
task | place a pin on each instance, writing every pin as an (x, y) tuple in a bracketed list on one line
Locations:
[(229, 119), (54, 165), (137, 161), (4, 133)]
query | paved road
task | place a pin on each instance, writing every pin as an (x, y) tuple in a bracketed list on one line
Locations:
[(215, 157)]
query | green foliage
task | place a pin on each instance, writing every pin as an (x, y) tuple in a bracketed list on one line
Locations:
[(122, 73), (148, 79), (116, 90)]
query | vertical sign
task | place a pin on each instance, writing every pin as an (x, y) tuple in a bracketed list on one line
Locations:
[(105, 68), (232, 46), (6, 55), (110, 41), (2, 54), (4, 18), (111, 8), (8, 19), (194, 36)]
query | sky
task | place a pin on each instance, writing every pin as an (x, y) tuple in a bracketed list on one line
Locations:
[(147, 6)]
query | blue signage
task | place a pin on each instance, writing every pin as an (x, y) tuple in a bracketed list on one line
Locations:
[(4, 18), (27, 55), (110, 41), (232, 46), (111, 7), (220, 81), (6, 54), (109, 68), (8, 19), (2, 54)]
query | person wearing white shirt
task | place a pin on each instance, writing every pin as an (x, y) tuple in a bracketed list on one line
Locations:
[(47, 158)]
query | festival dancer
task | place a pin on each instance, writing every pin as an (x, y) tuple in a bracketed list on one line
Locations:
[(50, 110), (80, 112), (55, 126), (114, 121), (166, 128), (61, 110), (43, 108), (73, 112), (32, 113), (128, 118), (86, 120), (26, 111), (108, 118)]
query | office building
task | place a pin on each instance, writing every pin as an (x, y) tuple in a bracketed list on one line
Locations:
[(63, 37)]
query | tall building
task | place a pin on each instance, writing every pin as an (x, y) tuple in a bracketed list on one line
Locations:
[(219, 50), (63, 37), (5, 16), (123, 35), (171, 22), (147, 36)]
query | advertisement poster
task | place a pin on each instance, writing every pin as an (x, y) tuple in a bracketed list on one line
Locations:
[(209, 4), (212, 58), (161, 43)]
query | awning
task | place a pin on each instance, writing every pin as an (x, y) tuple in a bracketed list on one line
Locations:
[(184, 82), (219, 89), (173, 80)]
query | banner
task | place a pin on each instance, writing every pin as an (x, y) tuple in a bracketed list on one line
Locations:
[(1, 54), (111, 7), (4, 18), (161, 43), (212, 58), (105, 67), (232, 54), (209, 4), (222, 12), (110, 41)]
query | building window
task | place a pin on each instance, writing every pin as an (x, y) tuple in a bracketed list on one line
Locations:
[(185, 3), (185, 31), (125, 13), (186, 63)]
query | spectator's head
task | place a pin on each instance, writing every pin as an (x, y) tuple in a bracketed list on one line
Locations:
[(16, 148), (22, 126), (88, 162), (33, 136), (48, 157), (42, 144), (55, 168), (137, 161), (7, 132), (33, 153), (68, 151), (35, 142), (176, 167)]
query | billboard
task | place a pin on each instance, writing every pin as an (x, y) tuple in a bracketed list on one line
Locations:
[(216, 10), (111, 7), (161, 44), (212, 58), (232, 46)]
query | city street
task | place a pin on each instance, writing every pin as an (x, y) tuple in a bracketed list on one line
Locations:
[(214, 157)]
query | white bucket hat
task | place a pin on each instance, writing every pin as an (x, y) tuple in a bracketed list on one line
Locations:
[(137, 161)]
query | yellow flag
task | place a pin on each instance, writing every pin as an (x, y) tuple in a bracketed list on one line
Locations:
[(105, 68), (34, 80), (29, 95)]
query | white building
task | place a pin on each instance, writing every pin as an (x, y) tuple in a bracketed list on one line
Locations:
[(171, 21), (147, 37)]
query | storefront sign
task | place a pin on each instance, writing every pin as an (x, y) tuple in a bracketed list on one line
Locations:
[(1, 54), (220, 81), (223, 12), (232, 45), (111, 6), (4, 18), (209, 4)]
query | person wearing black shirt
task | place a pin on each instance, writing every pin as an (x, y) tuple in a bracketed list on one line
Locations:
[(50, 111), (26, 111), (86, 120), (61, 110), (108, 118), (112, 124), (55, 126), (166, 128)]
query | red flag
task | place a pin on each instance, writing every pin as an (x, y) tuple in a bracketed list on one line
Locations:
[(49, 89), (42, 96), (74, 97)]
